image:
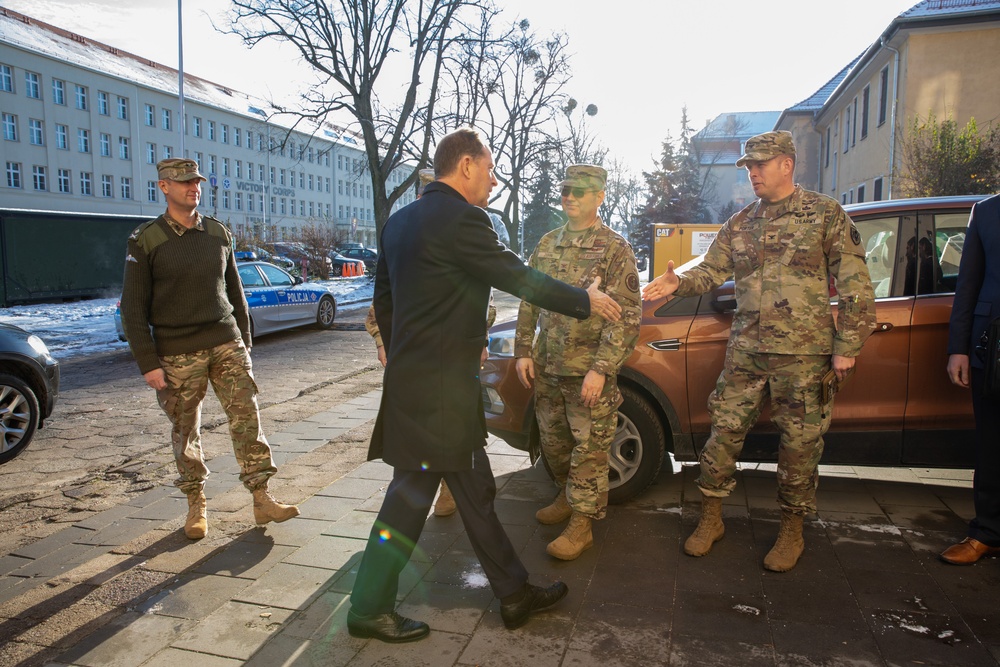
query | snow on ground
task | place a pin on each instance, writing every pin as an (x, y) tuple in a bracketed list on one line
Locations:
[(85, 327)]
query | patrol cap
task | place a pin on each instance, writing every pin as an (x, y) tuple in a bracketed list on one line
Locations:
[(426, 177), (588, 176), (766, 146), (178, 169)]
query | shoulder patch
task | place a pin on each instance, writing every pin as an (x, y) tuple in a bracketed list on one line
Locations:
[(632, 282), (855, 235)]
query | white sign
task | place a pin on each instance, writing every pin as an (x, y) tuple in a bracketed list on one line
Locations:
[(700, 242), (226, 183)]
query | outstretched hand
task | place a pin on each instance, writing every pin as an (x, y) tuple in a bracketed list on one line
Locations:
[(602, 304), (661, 286)]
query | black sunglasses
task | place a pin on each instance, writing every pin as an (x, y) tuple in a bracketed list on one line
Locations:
[(577, 192)]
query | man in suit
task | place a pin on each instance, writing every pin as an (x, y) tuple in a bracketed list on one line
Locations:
[(439, 256), (977, 303)]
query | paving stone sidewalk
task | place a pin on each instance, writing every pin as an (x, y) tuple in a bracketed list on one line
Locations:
[(123, 587)]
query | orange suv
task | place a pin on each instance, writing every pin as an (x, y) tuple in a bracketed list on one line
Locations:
[(898, 409)]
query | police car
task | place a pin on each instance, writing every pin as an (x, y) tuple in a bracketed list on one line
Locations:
[(277, 300)]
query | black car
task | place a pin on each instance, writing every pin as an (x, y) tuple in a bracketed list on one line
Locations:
[(366, 255), (29, 384)]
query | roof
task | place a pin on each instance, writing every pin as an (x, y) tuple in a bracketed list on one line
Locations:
[(36, 36), (817, 99), (934, 9), (738, 124)]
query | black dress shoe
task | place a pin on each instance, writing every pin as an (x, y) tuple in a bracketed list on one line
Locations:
[(390, 627), (515, 614)]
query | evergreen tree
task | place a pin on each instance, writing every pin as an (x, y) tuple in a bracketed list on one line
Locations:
[(541, 215)]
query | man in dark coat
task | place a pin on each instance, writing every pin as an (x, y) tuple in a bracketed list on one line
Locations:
[(439, 256), (977, 303)]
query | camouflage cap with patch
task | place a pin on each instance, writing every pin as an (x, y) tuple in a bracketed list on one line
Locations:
[(178, 169), (766, 146), (588, 176)]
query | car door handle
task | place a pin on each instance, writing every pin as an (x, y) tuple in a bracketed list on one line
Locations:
[(666, 345), (882, 327)]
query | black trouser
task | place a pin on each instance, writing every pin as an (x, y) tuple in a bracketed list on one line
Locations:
[(985, 527), (401, 520)]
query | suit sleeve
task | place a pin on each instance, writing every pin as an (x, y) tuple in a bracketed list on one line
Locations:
[(480, 253), (971, 271), (527, 320)]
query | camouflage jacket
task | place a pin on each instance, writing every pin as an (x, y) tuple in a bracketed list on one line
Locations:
[(783, 257), (567, 346)]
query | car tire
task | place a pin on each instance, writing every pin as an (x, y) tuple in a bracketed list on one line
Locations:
[(636, 451), (19, 414), (326, 312)]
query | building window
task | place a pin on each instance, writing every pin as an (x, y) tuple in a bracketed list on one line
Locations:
[(38, 178), (340, 162), (13, 174), (7, 85), (239, 169), (123, 151), (883, 94), (826, 149), (198, 158), (59, 92), (238, 197), (877, 190), (225, 166), (64, 186), (168, 152), (107, 185), (211, 197), (150, 115), (272, 205), (31, 88), (865, 104), (283, 204), (152, 191), (302, 180), (861, 193), (126, 188), (340, 187), (211, 165), (123, 108), (236, 138), (83, 140), (35, 132), (85, 183), (150, 153), (250, 202), (224, 133), (847, 130), (105, 145), (197, 126), (281, 178), (854, 122), (225, 199), (310, 181), (102, 103), (272, 175), (211, 130), (10, 127), (260, 173), (81, 97), (165, 116), (249, 139), (62, 137)]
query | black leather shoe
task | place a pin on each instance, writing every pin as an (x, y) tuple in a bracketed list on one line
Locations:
[(390, 627), (516, 614)]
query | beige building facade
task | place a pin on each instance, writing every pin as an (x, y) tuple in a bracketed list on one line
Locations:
[(83, 124)]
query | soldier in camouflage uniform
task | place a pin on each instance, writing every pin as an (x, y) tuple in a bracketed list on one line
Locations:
[(783, 250), (575, 363), (188, 324)]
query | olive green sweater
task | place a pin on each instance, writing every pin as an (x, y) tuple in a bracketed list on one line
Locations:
[(182, 293)]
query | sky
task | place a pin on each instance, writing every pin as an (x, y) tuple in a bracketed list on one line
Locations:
[(639, 61)]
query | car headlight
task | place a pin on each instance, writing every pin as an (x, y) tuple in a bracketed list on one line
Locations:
[(38, 345), (502, 343)]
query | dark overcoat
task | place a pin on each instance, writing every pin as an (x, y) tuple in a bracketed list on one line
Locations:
[(977, 294), (438, 259)]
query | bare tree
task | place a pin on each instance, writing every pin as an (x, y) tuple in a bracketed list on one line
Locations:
[(353, 46), (623, 197), (577, 144)]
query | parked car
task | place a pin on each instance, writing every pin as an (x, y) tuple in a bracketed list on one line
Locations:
[(277, 300), (898, 409), (29, 386), (339, 262), (366, 255)]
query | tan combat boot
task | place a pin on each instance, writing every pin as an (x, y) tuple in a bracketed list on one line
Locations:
[(788, 548), (267, 509), (557, 512), (709, 530), (196, 526), (445, 505), (575, 539)]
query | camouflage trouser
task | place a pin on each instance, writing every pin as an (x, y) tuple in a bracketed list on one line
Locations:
[(793, 383), (576, 439), (228, 368)]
